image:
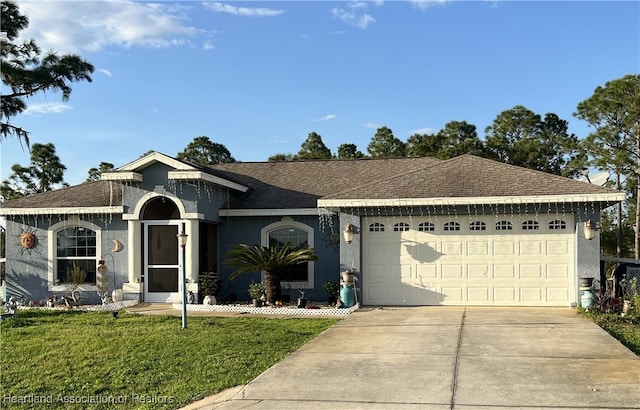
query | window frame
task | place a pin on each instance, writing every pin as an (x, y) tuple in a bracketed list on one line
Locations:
[(290, 223), (53, 232)]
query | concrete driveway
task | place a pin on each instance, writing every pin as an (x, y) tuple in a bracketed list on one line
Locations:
[(449, 358)]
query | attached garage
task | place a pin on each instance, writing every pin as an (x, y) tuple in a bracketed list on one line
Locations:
[(515, 260)]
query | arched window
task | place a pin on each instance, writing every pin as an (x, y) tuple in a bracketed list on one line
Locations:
[(295, 234), (530, 225), (477, 226), (401, 227), (504, 226), (426, 227), (76, 248), (451, 226), (376, 227), (557, 224)]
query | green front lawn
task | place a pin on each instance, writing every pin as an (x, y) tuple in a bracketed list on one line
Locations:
[(625, 329), (89, 360)]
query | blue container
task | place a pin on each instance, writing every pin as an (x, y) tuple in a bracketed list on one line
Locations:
[(347, 295)]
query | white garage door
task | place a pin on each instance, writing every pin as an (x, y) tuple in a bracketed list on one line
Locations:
[(489, 260)]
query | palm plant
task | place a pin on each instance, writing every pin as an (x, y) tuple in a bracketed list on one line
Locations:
[(270, 259)]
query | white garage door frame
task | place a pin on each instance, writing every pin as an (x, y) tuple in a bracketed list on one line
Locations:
[(470, 266)]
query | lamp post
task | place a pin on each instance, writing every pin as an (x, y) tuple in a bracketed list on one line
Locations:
[(182, 239)]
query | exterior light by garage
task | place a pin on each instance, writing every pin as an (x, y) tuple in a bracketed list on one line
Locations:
[(589, 230), (348, 233)]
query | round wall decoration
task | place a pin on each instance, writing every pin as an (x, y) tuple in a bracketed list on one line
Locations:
[(27, 240)]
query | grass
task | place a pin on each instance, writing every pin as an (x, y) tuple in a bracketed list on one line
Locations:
[(89, 360), (625, 329)]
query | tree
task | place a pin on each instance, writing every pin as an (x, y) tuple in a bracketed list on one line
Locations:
[(94, 173), (281, 157), (614, 112), (203, 151), (25, 74), (42, 175), (456, 138), (519, 136), (349, 151), (385, 145), (272, 260), (314, 148)]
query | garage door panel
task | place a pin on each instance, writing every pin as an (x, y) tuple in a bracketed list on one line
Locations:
[(478, 294), (557, 271), (478, 271), (504, 248), (451, 248), (560, 248), (504, 271), (531, 295), (505, 295), (557, 295), (531, 271), (477, 248), (424, 271), (452, 271), (452, 294), (531, 248)]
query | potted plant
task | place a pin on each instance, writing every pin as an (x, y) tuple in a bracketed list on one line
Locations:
[(332, 287), (256, 290)]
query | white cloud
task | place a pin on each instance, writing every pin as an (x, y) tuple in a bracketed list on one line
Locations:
[(327, 117), (353, 16), (105, 72), (425, 4), (372, 125), (74, 26), (47, 108), (422, 131), (242, 11)]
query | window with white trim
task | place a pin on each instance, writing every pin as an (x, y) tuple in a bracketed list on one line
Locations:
[(477, 226), (401, 227), (557, 224), (504, 226), (76, 246), (294, 236), (426, 227), (376, 227), (530, 225), (451, 226)]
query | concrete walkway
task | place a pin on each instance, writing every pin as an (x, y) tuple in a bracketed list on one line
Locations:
[(449, 358)]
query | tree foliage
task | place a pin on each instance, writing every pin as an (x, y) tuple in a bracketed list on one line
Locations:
[(203, 151), (281, 157), (313, 148), (385, 145), (614, 111), (518, 136), (42, 175), (456, 138), (271, 259), (349, 151), (94, 173), (26, 74)]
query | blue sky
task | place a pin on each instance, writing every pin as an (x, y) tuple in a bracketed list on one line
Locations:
[(258, 77)]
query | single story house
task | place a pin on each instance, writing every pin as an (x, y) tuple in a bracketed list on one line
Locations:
[(463, 231)]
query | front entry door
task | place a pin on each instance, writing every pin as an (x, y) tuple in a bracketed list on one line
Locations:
[(162, 262)]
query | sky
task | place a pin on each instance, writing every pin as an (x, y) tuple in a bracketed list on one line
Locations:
[(258, 77)]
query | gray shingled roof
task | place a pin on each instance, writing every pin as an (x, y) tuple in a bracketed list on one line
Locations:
[(299, 184), (469, 176), (86, 195)]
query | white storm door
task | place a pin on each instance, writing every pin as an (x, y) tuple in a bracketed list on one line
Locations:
[(162, 262)]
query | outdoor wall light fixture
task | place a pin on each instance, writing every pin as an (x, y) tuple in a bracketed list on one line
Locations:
[(589, 230), (348, 233)]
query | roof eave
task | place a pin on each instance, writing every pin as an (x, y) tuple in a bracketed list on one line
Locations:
[(95, 210)]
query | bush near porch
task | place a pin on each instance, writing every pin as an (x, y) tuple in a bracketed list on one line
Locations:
[(626, 329), (148, 361)]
